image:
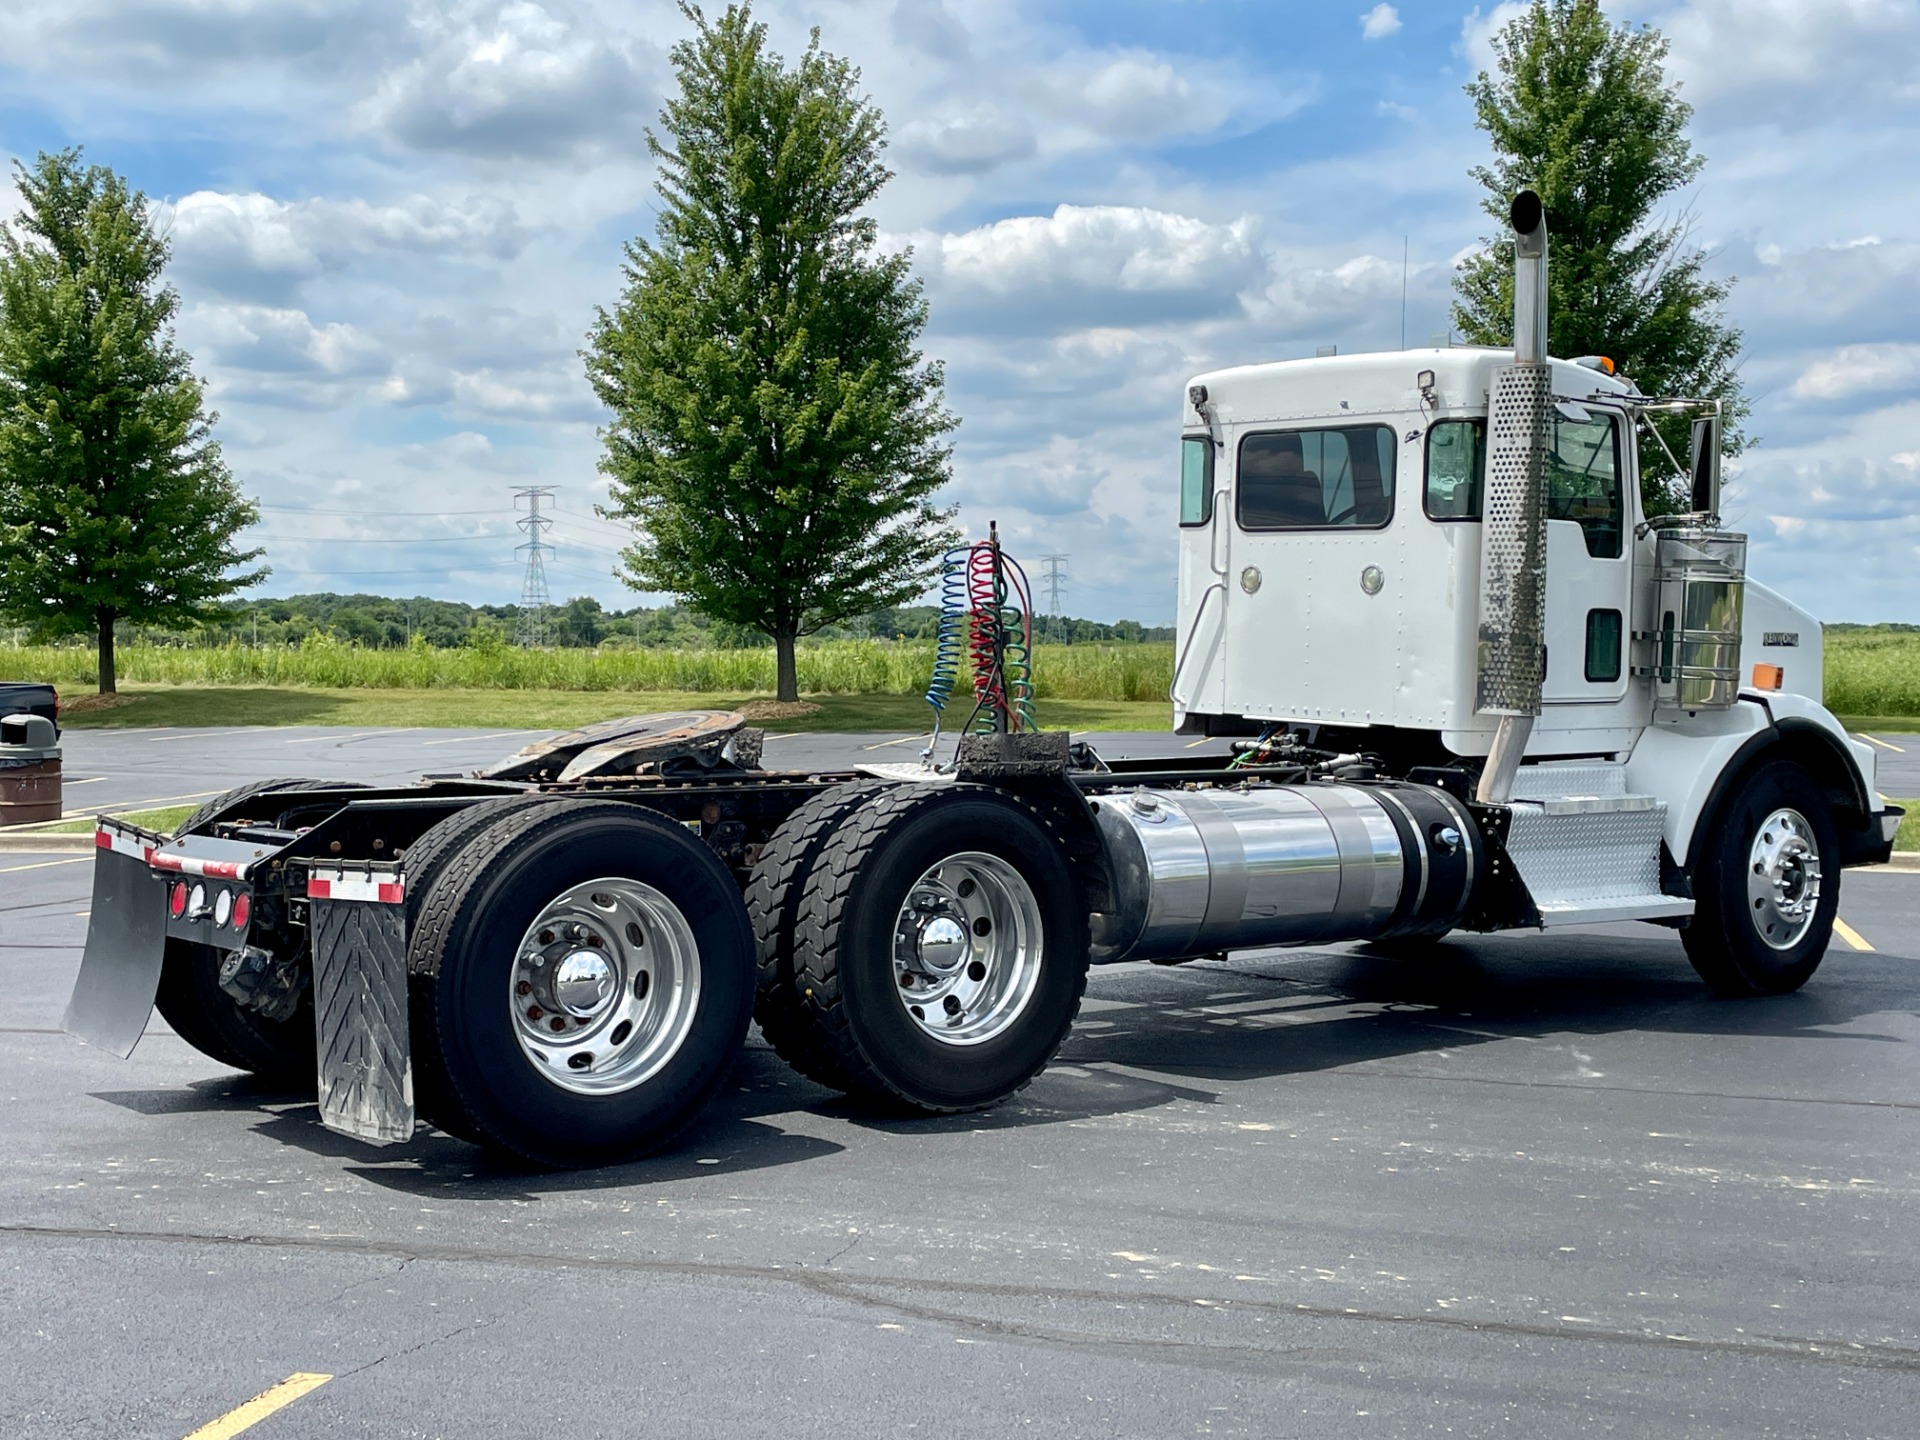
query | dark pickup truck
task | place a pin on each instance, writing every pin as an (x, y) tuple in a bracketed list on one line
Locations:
[(28, 697)]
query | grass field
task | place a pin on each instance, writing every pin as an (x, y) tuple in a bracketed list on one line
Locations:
[(838, 667), (1874, 674), (1909, 836)]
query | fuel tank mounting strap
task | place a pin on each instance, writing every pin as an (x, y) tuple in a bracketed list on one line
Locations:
[(1359, 860), (1226, 863)]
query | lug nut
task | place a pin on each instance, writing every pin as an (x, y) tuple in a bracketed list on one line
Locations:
[(523, 988)]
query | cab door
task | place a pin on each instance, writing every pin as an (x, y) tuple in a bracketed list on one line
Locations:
[(1590, 514)]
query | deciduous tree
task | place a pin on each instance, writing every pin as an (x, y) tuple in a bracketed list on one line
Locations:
[(778, 439), (114, 501), (1580, 109)]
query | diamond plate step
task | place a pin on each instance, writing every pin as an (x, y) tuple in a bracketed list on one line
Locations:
[(1591, 858)]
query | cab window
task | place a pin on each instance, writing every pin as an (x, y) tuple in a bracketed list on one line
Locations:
[(1340, 478), (1583, 476), (1196, 480), (1583, 481), (1456, 459)]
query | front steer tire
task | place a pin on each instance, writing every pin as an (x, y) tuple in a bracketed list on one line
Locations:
[(848, 938), (467, 948), (1773, 836)]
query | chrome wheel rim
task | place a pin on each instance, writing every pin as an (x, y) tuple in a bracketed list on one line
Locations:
[(604, 986), (967, 948), (1783, 879)]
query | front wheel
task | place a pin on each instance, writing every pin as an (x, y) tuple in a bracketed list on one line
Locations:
[(940, 948), (1766, 885), (585, 972)]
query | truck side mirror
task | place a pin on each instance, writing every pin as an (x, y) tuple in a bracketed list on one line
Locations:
[(1704, 462)]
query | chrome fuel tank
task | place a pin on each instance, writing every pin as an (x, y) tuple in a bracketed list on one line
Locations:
[(1198, 871)]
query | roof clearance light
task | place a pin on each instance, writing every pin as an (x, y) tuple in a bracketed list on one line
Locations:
[(242, 908), (1603, 363)]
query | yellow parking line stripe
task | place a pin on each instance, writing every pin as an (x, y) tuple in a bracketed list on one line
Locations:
[(259, 1407), (1852, 936), (1201, 741), (43, 864), (1876, 740)]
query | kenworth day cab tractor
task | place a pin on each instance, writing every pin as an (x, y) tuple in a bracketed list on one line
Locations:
[(1470, 687)]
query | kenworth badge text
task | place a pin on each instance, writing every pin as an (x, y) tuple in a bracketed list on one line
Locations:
[(1471, 686)]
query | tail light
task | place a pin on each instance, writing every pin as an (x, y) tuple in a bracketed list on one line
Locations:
[(177, 900), (242, 908)]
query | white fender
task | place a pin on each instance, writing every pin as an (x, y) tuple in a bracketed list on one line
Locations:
[(1681, 764)]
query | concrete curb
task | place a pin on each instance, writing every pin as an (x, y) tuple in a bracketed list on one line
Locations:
[(1903, 860), (15, 843)]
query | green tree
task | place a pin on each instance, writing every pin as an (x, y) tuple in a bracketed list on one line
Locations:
[(1580, 110), (114, 501), (777, 438)]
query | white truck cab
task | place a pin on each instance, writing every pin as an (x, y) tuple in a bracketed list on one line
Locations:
[(1616, 681)]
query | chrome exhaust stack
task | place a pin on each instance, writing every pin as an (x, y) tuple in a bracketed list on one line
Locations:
[(1513, 527)]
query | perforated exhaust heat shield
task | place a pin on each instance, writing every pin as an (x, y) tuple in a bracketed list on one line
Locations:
[(1513, 544)]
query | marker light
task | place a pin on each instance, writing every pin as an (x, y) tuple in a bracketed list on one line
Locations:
[(1769, 677)]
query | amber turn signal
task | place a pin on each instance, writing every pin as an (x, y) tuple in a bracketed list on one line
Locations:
[(1769, 677)]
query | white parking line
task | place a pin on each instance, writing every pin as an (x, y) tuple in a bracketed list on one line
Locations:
[(322, 739), (1884, 745), (202, 732), (122, 807), (472, 739), (903, 740)]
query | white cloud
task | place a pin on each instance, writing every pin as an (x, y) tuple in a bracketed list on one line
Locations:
[(1477, 31), (1379, 22), (1857, 369), (968, 144), (1095, 264), (253, 245), (514, 79)]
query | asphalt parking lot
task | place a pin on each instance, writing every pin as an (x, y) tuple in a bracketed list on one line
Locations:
[(1540, 1186)]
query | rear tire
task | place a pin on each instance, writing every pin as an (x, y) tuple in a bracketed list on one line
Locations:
[(1766, 885), (259, 787), (930, 894), (482, 918), (773, 905), (190, 1000)]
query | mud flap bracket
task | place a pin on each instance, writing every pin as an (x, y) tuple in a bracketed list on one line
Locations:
[(358, 920)]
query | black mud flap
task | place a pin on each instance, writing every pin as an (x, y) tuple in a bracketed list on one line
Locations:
[(359, 926), (126, 942)]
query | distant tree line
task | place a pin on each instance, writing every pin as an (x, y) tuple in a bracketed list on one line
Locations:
[(383, 621)]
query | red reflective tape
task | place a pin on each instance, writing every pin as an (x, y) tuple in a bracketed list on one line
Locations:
[(318, 889), (102, 840), (392, 892), (189, 865)]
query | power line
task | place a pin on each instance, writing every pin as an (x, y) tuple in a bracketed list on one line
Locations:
[(378, 539), (534, 600)]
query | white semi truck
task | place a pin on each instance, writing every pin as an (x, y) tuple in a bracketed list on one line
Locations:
[(1471, 687)]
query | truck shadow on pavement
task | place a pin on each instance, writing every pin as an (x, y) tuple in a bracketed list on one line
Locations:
[(1151, 1036)]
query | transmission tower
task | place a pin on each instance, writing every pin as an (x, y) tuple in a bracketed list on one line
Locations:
[(534, 600), (1054, 582)]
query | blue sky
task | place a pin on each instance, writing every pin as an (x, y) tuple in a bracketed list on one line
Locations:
[(391, 224)]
